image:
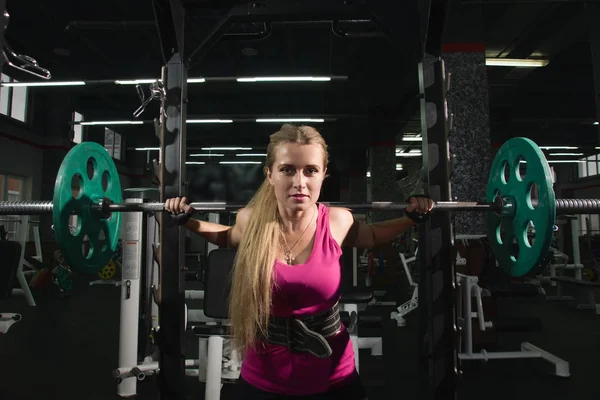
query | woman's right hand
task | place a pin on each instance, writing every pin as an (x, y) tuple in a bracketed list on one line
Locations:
[(178, 205)]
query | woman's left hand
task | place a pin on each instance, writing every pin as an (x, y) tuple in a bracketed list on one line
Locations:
[(420, 204)]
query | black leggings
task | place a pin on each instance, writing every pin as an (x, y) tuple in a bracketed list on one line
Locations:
[(352, 391)]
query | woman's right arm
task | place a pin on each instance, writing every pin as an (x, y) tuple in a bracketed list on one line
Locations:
[(220, 235)]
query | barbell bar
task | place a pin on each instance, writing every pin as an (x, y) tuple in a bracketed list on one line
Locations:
[(563, 206), (511, 210), (104, 206)]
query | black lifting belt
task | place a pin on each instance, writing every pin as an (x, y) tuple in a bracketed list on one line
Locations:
[(306, 334)]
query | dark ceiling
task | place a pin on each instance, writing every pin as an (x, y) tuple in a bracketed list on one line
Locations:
[(117, 39)]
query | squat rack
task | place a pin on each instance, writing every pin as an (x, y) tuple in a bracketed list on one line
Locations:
[(415, 28)]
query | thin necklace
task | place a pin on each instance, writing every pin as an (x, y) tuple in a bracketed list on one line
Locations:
[(289, 258)]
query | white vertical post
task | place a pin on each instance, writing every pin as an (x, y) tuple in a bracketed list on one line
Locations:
[(214, 218), (575, 245), (131, 235), (354, 267)]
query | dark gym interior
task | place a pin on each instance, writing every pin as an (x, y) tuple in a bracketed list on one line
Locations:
[(411, 97)]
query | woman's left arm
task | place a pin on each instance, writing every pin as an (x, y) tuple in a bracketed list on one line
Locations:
[(365, 236)]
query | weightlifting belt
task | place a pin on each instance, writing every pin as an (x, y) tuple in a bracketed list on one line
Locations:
[(307, 333)]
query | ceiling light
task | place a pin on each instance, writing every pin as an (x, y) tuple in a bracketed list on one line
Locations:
[(285, 79), (147, 148), (226, 148), (207, 155), (565, 154), (412, 139), (209, 121), (135, 81), (398, 167), (558, 147), (240, 162), (251, 155), (195, 162), (597, 123), (284, 120), (515, 62), (196, 80), (40, 84), (111, 122), (408, 154), (559, 161), (368, 174)]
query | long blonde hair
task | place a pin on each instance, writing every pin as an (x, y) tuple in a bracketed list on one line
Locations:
[(250, 301)]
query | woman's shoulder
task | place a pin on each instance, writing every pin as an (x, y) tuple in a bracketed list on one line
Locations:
[(340, 216)]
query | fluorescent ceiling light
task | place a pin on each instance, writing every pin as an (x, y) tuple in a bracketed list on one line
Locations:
[(559, 161), (597, 123), (284, 120), (515, 62), (209, 121), (207, 155), (196, 80), (39, 84), (195, 162), (135, 81), (398, 167), (558, 147), (250, 155), (368, 174), (226, 148), (408, 154), (112, 123), (565, 154), (412, 139), (285, 79), (240, 162), (147, 148)]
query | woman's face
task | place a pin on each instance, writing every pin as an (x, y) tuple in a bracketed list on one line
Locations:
[(297, 174)]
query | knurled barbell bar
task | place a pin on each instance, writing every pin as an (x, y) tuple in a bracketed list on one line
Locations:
[(511, 209)]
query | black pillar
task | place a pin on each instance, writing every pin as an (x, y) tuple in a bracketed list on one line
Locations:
[(3, 23), (437, 358), (593, 9), (170, 16)]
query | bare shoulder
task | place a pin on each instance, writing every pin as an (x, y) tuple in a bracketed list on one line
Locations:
[(243, 216), (340, 217)]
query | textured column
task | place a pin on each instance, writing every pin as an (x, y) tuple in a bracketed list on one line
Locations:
[(470, 131)]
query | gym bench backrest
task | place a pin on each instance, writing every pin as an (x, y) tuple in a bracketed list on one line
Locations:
[(217, 283)]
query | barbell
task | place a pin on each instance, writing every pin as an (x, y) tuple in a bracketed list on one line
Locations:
[(519, 197)]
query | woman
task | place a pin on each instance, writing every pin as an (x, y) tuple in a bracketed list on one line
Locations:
[(287, 275)]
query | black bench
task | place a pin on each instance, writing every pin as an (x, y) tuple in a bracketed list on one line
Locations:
[(587, 286), (217, 286)]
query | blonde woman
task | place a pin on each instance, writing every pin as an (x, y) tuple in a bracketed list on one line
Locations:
[(287, 274)]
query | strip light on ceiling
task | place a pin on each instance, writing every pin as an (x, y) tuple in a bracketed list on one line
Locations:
[(250, 155), (515, 62), (209, 121), (284, 120), (41, 84), (240, 162), (195, 162), (225, 148), (284, 79), (565, 154), (558, 147), (207, 155), (111, 122)]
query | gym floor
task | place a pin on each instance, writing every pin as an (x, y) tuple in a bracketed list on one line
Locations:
[(67, 347)]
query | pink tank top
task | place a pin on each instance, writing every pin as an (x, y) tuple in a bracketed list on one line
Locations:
[(305, 289)]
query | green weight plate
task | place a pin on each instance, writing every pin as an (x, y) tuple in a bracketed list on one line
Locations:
[(519, 166), (73, 172)]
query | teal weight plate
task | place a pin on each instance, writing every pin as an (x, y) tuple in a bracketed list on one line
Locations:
[(519, 166), (104, 182)]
